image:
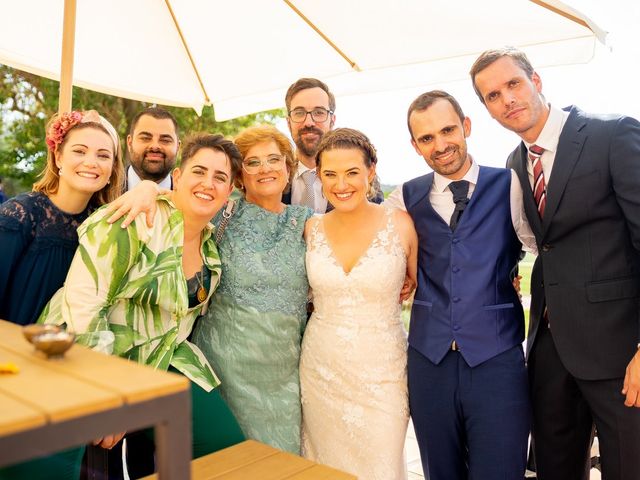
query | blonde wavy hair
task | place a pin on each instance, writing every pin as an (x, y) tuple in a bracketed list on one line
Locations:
[(50, 178)]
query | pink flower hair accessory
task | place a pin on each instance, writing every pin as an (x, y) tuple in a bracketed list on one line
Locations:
[(60, 127)]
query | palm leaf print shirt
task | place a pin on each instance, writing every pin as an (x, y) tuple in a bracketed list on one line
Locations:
[(126, 293)]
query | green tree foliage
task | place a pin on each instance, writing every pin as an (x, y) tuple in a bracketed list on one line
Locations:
[(27, 101)]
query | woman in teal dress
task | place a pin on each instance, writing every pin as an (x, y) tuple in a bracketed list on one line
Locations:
[(252, 332)]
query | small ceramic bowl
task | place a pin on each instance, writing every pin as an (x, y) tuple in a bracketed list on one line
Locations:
[(31, 331), (53, 344)]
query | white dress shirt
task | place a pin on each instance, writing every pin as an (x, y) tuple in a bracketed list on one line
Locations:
[(441, 200), (133, 179), (298, 187), (548, 139)]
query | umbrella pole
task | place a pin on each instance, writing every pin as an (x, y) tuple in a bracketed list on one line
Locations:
[(66, 63)]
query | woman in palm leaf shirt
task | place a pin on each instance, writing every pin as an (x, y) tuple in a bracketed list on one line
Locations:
[(136, 292)]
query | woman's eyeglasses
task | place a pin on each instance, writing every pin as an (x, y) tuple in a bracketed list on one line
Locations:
[(272, 162)]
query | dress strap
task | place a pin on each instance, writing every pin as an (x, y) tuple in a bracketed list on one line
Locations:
[(316, 223)]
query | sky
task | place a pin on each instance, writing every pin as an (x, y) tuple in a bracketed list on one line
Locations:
[(609, 83)]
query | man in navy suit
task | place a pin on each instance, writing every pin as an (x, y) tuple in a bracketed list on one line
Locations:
[(581, 180), (468, 390)]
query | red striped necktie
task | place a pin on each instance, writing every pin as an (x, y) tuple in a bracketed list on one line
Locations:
[(539, 186)]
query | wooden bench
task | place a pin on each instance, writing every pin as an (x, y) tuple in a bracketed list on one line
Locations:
[(254, 460)]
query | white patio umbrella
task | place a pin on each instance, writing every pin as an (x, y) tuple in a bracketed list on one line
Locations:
[(240, 55)]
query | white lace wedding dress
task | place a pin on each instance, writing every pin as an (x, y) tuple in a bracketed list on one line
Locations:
[(353, 364)]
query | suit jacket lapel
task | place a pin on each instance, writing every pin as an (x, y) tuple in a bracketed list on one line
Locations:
[(519, 164), (569, 149)]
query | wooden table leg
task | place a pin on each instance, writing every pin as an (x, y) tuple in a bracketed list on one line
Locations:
[(173, 440)]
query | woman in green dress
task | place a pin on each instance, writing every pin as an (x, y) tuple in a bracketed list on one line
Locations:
[(136, 292), (252, 332)]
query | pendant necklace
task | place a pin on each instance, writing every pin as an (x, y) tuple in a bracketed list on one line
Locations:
[(201, 293)]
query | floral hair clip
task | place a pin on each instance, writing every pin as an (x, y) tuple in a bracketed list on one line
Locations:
[(60, 127)]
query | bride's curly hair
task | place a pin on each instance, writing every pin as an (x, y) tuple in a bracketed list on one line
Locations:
[(348, 138)]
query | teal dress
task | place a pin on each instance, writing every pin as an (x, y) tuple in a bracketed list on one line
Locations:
[(252, 331)]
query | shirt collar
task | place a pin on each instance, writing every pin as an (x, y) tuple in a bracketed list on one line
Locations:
[(440, 183), (550, 134), (133, 179), (301, 169)]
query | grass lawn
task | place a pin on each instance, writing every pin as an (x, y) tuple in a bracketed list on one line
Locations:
[(525, 285)]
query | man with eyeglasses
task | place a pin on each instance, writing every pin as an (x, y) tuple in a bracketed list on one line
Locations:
[(310, 114)]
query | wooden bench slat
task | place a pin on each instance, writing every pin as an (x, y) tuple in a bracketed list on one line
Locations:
[(134, 384), (227, 460), (230, 459), (274, 467), (254, 460), (58, 396), (16, 416), (322, 472)]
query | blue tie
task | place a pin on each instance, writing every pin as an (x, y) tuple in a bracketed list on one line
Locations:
[(460, 190)]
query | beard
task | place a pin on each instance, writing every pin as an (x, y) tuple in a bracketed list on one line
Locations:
[(452, 167), (308, 149), (151, 170)]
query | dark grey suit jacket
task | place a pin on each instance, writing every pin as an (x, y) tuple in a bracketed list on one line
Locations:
[(587, 273)]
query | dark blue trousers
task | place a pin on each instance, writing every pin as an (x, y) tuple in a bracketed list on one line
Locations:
[(471, 423)]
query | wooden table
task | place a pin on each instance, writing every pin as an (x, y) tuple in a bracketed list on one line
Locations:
[(253, 460), (52, 405)]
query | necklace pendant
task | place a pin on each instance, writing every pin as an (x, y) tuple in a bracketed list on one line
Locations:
[(201, 294)]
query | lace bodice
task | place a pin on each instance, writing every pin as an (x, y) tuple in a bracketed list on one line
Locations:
[(39, 220), (262, 256), (38, 241), (370, 285)]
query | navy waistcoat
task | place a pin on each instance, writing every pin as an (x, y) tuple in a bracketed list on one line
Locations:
[(464, 288)]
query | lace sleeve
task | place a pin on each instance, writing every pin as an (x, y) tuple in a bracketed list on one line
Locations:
[(15, 236)]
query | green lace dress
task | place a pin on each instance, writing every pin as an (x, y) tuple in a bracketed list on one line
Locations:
[(252, 331)]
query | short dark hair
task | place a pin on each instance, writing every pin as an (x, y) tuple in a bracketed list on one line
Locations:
[(196, 142), (348, 138), (305, 84), (427, 99), (159, 114), (487, 57)]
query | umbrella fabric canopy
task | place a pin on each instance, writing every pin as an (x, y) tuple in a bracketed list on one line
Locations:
[(241, 55)]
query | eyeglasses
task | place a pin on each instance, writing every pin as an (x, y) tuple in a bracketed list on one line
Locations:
[(318, 114), (272, 162)]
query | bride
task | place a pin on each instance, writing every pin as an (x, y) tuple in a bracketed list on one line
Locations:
[(361, 261)]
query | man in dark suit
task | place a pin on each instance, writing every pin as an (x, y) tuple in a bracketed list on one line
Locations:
[(581, 181)]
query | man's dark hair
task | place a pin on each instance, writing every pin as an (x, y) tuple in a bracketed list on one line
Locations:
[(487, 57), (159, 114), (305, 84), (427, 99), (198, 141)]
